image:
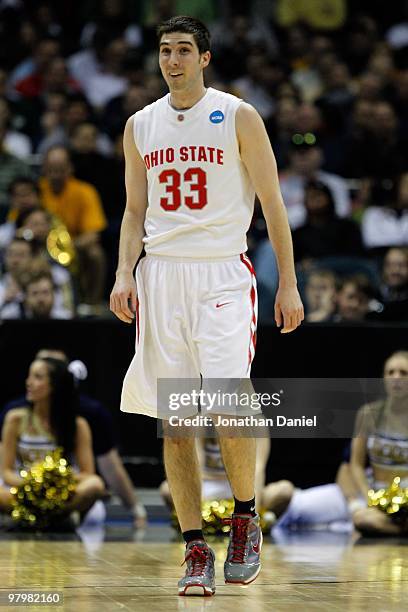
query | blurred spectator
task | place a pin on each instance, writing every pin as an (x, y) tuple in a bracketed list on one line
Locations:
[(79, 207), (283, 129), (387, 224), (113, 16), (353, 300), (356, 136), (385, 151), (337, 97), (361, 38), (14, 142), (119, 109), (35, 225), (304, 62), (17, 262), (27, 78), (257, 86), (10, 168), (394, 286), (23, 195), (324, 234), (110, 81), (305, 165), (370, 87), (38, 302), (57, 79), (58, 128), (234, 40), (320, 294)]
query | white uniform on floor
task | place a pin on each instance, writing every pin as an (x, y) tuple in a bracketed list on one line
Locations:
[(197, 309)]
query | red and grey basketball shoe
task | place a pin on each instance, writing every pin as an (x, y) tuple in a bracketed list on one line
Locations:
[(200, 574), (243, 563)]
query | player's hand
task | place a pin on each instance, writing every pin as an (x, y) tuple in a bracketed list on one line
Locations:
[(288, 309), (123, 297)]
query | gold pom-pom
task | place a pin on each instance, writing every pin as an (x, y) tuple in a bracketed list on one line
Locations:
[(392, 501), (215, 513), (46, 488)]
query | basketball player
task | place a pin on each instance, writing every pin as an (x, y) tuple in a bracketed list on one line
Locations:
[(194, 160)]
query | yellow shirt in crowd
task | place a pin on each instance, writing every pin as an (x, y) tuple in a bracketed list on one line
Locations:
[(78, 206)]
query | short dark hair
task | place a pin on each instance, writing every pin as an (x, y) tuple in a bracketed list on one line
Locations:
[(36, 276), (23, 180), (187, 25)]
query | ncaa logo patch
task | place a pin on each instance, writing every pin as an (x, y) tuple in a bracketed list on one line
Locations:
[(217, 116)]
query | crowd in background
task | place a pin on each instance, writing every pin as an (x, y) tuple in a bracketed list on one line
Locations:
[(331, 86)]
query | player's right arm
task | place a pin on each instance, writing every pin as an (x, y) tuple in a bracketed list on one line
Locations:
[(132, 229)]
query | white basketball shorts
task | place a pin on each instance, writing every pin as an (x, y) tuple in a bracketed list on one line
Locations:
[(194, 318)]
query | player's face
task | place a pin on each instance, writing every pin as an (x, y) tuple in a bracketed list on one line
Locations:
[(180, 61)]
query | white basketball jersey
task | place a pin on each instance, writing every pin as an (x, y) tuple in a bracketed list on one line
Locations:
[(200, 198)]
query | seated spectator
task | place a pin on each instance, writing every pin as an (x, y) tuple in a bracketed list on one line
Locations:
[(88, 163), (56, 79), (252, 87), (23, 195), (111, 81), (387, 225), (35, 225), (119, 109), (49, 420), (324, 233), (305, 165), (28, 76), (17, 262), (353, 300), (283, 129), (58, 128), (15, 142), (381, 152), (108, 460), (11, 167), (324, 240), (39, 300), (320, 294), (382, 438), (79, 207), (394, 286)]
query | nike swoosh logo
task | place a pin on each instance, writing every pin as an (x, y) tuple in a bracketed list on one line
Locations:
[(223, 304), (257, 547)]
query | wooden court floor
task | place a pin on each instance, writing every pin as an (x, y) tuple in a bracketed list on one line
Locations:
[(298, 574)]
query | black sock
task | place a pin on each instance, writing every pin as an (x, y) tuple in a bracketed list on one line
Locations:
[(193, 534), (244, 507)]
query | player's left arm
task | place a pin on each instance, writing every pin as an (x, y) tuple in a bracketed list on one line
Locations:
[(259, 160)]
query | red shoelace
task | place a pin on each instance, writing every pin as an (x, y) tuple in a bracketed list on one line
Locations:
[(239, 528), (198, 556)]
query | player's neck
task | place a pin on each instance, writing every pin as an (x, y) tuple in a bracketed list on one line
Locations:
[(182, 100)]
